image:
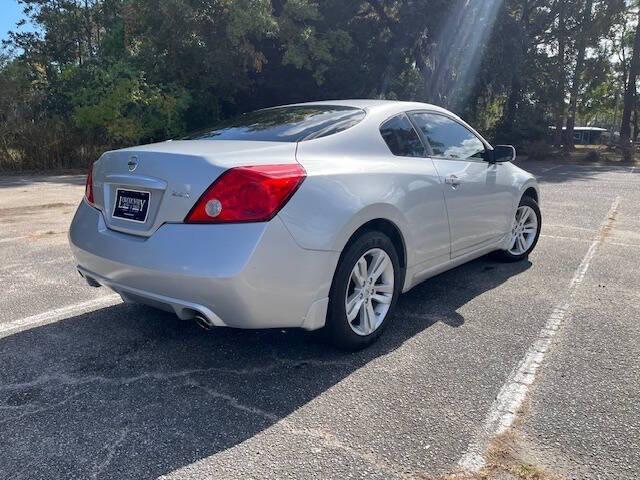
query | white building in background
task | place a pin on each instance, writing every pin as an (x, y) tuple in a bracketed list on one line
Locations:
[(588, 135)]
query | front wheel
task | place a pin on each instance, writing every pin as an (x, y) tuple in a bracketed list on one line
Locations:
[(365, 288), (525, 232)]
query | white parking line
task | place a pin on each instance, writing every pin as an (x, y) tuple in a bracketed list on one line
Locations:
[(57, 314), (505, 407)]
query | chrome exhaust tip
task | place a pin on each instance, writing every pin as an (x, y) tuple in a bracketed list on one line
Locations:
[(203, 322)]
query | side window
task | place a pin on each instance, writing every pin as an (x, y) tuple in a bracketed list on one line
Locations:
[(448, 139), (401, 137)]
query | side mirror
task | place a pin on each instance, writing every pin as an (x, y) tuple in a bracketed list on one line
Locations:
[(501, 154)]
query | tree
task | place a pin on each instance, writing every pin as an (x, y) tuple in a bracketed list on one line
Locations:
[(630, 98), (97, 74), (562, 35), (596, 21), (583, 35)]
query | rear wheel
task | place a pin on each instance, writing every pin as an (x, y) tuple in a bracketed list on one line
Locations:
[(365, 288), (525, 232)]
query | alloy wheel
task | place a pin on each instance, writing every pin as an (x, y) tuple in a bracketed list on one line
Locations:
[(369, 292), (523, 231)]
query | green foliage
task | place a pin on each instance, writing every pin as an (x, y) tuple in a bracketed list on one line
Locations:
[(118, 100), (101, 74), (304, 46)]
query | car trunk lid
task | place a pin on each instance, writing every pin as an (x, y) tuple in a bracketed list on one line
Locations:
[(138, 189)]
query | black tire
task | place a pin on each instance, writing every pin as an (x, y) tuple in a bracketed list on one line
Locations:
[(506, 256), (337, 329)]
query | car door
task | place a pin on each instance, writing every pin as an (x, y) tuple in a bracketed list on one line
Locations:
[(422, 202), (477, 193)]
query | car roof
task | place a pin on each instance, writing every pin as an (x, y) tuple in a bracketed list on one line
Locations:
[(376, 104), (379, 110)]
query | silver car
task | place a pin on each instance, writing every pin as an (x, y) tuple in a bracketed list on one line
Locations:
[(312, 216)]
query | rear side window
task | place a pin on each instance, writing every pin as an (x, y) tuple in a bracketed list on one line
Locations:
[(401, 137), (285, 124), (448, 139)]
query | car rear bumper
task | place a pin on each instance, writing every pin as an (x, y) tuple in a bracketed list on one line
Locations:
[(241, 275)]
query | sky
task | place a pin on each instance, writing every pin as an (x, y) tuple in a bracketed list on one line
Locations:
[(10, 13)]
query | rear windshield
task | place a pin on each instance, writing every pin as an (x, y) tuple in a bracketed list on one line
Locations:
[(284, 124)]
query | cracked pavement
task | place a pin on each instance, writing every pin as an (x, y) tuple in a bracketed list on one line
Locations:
[(124, 391)]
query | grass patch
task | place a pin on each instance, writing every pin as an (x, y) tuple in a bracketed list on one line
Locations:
[(506, 460)]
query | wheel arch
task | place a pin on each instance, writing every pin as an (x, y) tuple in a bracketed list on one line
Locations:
[(390, 229), (531, 192)]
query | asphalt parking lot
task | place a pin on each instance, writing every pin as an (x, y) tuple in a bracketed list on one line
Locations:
[(93, 388)]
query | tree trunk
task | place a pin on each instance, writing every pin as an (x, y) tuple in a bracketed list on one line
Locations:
[(128, 12), (626, 144), (515, 93), (585, 31), (395, 47), (447, 55), (390, 70), (560, 105), (513, 102), (88, 27)]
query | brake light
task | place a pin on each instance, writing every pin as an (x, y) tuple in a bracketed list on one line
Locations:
[(247, 194), (88, 189)]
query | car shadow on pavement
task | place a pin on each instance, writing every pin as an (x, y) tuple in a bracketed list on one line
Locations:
[(130, 392)]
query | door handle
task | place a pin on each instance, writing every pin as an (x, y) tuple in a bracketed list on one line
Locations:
[(452, 180)]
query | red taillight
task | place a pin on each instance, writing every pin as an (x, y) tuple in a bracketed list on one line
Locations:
[(88, 189), (247, 194)]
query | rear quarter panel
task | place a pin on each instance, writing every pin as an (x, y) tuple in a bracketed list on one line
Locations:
[(352, 179)]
